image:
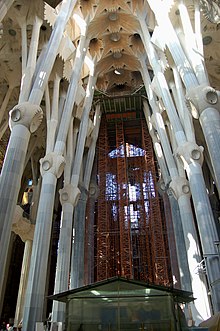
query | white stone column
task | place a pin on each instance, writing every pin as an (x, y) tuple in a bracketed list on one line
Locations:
[(200, 307), (24, 48), (190, 279), (52, 113), (23, 281), (17, 147), (175, 230), (24, 119), (3, 109), (170, 204), (173, 43), (165, 175), (157, 119), (93, 194), (182, 105), (51, 168), (4, 7), (3, 129), (77, 269), (71, 95), (191, 156), (92, 147), (79, 217), (29, 68), (48, 59), (68, 199), (5, 103), (161, 83), (83, 130), (206, 101), (191, 49), (25, 229), (203, 97)]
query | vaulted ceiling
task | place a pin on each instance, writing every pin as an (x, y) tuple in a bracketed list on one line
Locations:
[(114, 34)]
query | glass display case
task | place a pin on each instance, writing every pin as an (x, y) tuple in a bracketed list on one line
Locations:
[(121, 304)]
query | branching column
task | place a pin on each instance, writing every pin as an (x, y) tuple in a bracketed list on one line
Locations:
[(24, 120), (68, 200), (194, 171), (207, 102), (180, 189), (51, 169), (69, 197), (4, 7), (170, 204), (77, 269), (188, 273), (204, 97), (191, 156)]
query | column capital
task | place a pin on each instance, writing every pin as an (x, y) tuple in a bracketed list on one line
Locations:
[(22, 226), (26, 114), (93, 190), (203, 97), (179, 186), (190, 152), (161, 186), (69, 194), (52, 162)]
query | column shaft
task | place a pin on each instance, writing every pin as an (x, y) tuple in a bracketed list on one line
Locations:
[(180, 246), (172, 213), (4, 7), (35, 294), (172, 41), (71, 96), (184, 232), (63, 261), (23, 282), (49, 57), (191, 48), (5, 104), (190, 81), (9, 187), (92, 147), (207, 230), (210, 123), (200, 307), (15, 157), (31, 63), (77, 268), (89, 272)]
